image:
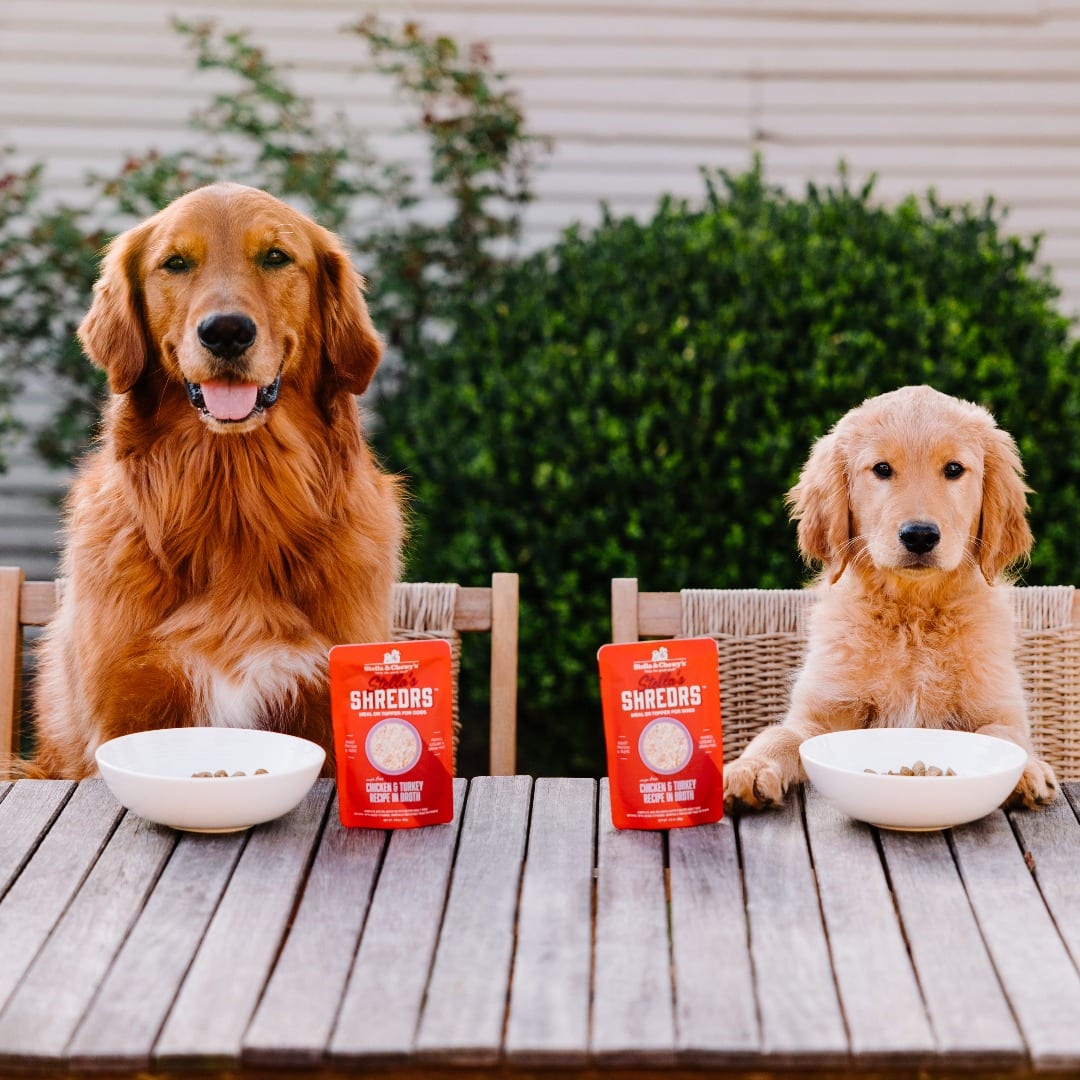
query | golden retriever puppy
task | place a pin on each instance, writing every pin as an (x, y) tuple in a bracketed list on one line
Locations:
[(231, 524), (914, 505)]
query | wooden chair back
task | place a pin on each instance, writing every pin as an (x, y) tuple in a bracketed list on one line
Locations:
[(761, 635), (492, 609)]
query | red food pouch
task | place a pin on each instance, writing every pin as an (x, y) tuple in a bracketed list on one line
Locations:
[(392, 710), (662, 728)]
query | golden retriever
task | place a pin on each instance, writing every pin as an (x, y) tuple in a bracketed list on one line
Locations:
[(914, 505), (231, 524)]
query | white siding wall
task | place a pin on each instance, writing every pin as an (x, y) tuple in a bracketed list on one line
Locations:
[(973, 97)]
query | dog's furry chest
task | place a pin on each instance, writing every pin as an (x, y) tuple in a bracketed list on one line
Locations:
[(897, 667), (260, 691)]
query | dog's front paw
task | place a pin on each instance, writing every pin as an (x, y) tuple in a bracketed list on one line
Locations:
[(753, 782), (1037, 785)]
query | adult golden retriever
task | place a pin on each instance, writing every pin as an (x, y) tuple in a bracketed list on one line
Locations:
[(231, 524), (914, 505)]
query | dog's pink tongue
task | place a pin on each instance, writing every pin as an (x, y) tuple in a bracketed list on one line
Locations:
[(229, 401)]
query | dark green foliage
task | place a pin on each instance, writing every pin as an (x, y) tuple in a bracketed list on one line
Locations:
[(637, 401)]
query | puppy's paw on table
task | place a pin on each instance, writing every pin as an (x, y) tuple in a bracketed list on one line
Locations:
[(753, 782), (1037, 785)]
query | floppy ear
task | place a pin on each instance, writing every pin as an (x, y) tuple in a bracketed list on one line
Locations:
[(351, 345), (819, 503), (1004, 535), (113, 331)]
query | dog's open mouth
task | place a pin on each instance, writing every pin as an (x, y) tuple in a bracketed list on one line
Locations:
[(231, 402)]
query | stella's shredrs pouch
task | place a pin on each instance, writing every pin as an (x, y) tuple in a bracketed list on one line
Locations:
[(392, 710), (662, 729)]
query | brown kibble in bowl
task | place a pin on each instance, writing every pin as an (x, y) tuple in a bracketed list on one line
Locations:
[(920, 768), (226, 774)]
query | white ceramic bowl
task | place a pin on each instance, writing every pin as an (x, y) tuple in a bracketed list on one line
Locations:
[(150, 773), (987, 770)]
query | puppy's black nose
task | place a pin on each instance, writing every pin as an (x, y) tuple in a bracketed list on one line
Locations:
[(919, 537), (227, 335)]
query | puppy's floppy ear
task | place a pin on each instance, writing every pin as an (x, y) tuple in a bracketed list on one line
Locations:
[(1004, 535), (351, 345), (113, 332), (819, 503)]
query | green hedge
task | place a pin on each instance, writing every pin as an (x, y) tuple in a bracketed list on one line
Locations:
[(637, 399)]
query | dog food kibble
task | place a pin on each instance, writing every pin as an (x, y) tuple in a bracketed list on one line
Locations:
[(223, 772), (920, 768)]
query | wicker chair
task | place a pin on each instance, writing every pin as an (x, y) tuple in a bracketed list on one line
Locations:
[(420, 610), (761, 636)]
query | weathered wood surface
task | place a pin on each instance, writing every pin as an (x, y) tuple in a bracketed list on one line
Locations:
[(968, 1012), (40, 894), (886, 1018), (1039, 977), (633, 1016), (26, 813), (298, 1010), (226, 978), (122, 1024), (68, 970), (548, 1016), (530, 935), (801, 1019), (710, 948), (380, 1011), (463, 1018)]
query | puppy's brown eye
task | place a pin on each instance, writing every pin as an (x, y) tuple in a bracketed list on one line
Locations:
[(953, 470), (883, 470), (176, 264), (276, 257)]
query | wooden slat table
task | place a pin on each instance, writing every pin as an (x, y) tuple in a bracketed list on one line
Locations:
[(530, 936)]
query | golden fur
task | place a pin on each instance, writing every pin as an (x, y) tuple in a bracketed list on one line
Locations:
[(211, 562), (901, 637)]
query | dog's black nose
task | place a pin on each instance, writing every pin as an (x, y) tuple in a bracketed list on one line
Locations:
[(227, 335), (919, 537)]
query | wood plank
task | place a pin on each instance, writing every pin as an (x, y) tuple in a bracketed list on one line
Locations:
[(659, 614), (1050, 838), (624, 609), (381, 1007), (504, 674), (633, 1015), (968, 1012), (123, 1021), (69, 969), (709, 935), (883, 1008), (297, 1012), (37, 604), (11, 645), (548, 1019), (801, 1021), (1040, 980), (41, 893), (222, 988), (26, 813), (465, 1011)]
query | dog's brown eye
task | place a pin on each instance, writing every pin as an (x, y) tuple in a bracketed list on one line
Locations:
[(276, 257), (882, 469), (176, 264), (953, 470)]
